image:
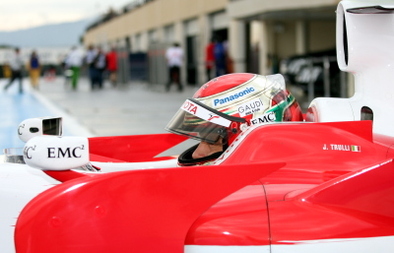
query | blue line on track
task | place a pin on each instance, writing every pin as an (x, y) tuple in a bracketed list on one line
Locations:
[(15, 108)]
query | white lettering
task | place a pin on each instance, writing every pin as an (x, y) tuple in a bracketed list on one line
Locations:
[(342, 147)]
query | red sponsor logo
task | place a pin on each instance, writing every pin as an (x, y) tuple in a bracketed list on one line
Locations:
[(190, 107), (213, 116)]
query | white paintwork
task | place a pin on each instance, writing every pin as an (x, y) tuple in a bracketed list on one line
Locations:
[(19, 184), (56, 153), (25, 128), (371, 60), (352, 245), (112, 167), (226, 249)]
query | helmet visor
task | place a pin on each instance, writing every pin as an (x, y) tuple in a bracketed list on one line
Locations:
[(200, 122)]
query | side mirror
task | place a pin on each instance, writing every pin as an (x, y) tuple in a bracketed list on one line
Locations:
[(30, 128), (56, 153)]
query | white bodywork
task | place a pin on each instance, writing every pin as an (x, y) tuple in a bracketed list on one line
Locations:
[(365, 49), (19, 184)]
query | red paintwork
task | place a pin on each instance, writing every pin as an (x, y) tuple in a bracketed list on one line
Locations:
[(310, 172), (127, 211), (358, 204), (226, 82), (239, 219), (133, 148), (318, 194), (64, 176)]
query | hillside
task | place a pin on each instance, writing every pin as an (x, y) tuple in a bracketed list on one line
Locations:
[(54, 35)]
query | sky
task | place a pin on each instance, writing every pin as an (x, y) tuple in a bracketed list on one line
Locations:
[(22, 14)]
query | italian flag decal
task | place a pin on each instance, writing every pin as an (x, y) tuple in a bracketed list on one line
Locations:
[(355, 148)]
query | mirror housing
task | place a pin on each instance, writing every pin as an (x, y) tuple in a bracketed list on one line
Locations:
[(56, 153), (30, 128)]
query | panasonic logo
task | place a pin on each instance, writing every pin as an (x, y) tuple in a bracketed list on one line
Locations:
[(220, 101)]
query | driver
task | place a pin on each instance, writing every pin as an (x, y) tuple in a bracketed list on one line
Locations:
[(226, 106)]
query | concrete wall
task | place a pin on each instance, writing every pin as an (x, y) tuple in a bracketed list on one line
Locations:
[(151, 16)]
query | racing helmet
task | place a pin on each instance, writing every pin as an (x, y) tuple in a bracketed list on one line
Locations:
[(227, 105)]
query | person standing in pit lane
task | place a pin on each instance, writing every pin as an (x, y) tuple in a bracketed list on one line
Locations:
[(34, 69), (174, 56), (89, 61), (16, 65), (112, 65), (99, 65), (74, 62)]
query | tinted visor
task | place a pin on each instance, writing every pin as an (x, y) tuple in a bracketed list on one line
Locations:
[(200, 122)]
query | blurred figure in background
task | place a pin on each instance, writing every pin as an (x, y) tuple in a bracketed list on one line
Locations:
[(89, 61), (16, 65), (174, 56), (73, 63), (7, 70), (34, 68), (99, 65), (229, 59), (209, 59), (220, 57), (112, 65)]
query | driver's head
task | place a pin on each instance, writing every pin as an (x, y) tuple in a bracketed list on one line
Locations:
[(225, 106)]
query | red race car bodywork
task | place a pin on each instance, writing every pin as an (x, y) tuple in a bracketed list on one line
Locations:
[(337, 185)]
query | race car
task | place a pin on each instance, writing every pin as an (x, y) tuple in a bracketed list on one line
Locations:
[(324, 185)]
